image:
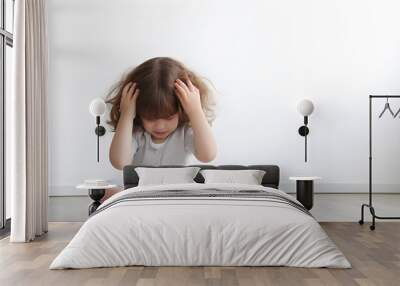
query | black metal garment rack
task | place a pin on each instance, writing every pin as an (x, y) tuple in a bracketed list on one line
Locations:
[(369, 205)]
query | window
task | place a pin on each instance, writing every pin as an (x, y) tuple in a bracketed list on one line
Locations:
[(6, 44)]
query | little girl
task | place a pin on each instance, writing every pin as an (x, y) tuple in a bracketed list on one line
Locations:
[(161, 113)]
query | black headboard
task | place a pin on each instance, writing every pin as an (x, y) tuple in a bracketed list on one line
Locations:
[(270, 179)]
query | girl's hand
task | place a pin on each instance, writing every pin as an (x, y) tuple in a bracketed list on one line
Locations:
[(189, 96), (128, 100)]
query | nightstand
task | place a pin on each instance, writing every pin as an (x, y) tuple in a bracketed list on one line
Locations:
[(96, 193), (305, 190)]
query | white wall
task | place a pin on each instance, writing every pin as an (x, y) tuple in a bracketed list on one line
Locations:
[(262, 56)]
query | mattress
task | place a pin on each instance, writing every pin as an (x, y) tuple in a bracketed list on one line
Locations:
[(198, 224)]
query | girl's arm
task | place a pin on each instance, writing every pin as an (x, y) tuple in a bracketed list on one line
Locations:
[(121, 152), (203, 137)]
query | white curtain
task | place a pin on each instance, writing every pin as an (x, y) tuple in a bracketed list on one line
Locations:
[(27, 123)]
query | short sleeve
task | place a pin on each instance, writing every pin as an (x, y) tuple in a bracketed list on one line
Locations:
[(188, 137)]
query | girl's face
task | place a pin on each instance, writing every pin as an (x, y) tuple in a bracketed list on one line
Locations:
[(160, 128)]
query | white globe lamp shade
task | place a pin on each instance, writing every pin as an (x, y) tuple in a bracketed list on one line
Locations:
[(97, 107), (305, 107)]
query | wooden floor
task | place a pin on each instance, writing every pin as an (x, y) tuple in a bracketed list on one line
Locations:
[(375, 257)]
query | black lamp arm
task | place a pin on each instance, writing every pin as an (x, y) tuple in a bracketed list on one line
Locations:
[(303, 131), (100, 131)]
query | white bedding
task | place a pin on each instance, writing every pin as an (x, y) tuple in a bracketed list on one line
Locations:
[(200, 231)]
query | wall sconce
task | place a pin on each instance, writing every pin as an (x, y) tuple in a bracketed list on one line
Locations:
[(305, 107), (97, 108)]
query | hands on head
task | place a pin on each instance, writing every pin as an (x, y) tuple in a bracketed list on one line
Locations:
[(187, 93), (129, 96)]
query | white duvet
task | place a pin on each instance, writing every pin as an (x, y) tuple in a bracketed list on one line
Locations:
[(200, 231)]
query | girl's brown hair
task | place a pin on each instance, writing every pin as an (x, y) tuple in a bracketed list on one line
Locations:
[(155, 79)]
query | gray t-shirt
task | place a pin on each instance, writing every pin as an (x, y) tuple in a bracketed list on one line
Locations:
[(175, 150)]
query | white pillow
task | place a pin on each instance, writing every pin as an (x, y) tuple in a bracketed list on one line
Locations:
[(250, 177), (162, 176)]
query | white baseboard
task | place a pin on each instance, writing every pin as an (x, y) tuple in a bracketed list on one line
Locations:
[(67, 191), (344, 188), (327, 207), (319, 188)]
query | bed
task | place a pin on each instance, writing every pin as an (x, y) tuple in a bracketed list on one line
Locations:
[(201, 224)]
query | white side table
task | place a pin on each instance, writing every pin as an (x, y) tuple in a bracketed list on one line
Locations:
[(96, 193), (305, 190)]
